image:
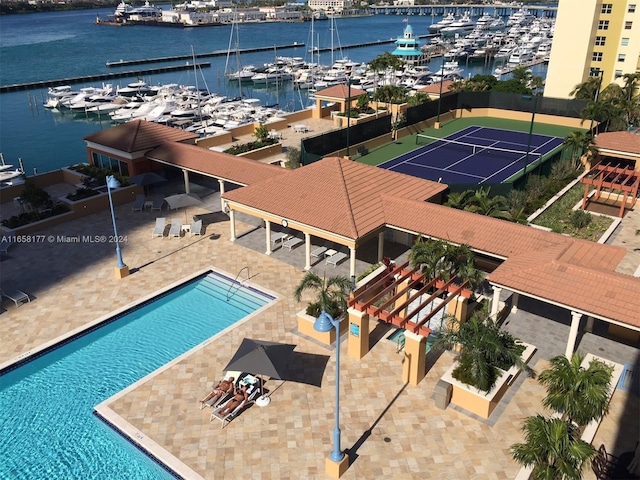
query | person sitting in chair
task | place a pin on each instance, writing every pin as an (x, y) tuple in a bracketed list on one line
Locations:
[(225, 386), (240, 395)]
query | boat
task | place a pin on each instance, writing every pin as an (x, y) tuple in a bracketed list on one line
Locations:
[(139, 87), (460, 27), (520, 56), (521, 17), (445, 22), (125, 12), (9, 177)]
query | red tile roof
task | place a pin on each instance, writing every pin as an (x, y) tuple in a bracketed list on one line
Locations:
[(138, 135), (624, 142), (340, 91), (336, 195), (241, 171), (434, 89)]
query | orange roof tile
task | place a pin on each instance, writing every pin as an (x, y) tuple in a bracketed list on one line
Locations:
[(241, 171), (340, 91), (624, 142), (434, 89), (138, 135), (334, 194)]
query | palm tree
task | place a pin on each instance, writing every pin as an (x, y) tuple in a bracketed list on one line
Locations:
[(331, 293), (483, 204), (586, 90), (578, 142), (553, 447), (485, 349), (458, 200), (578, 394), (427, 253)]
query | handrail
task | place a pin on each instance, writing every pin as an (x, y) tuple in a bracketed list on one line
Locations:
[(235, 280)]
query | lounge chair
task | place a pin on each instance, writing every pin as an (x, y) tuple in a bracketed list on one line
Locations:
[(17, 296), (336, 258), (226, 418), (196, 228), (158, 230), (176, 227), (292, 243), (138, 204), (216, 402), (158, 201), (319, 252)]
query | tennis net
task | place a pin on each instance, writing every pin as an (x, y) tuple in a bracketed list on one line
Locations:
[(472, 148)]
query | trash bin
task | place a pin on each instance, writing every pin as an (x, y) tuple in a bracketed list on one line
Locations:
[(442, 393)]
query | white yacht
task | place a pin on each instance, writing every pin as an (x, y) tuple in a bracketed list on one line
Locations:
[(461, 26), (520, 56), (445, 22)]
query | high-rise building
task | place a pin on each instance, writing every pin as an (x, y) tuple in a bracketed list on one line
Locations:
[(592, 38)]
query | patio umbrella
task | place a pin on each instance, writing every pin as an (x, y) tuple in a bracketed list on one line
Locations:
[(262, 358), (183, 200), (146, 179)]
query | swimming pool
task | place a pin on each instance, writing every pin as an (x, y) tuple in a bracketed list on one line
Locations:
[(46, 404)]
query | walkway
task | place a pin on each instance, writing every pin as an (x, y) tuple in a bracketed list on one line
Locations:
[(391, 430)]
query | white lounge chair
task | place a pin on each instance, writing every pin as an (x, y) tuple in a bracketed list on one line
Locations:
[(158, 230), (138, 204), (196, 228), (253, 392), (292, 243), (318, 252), (216, 402), (336, 258), (176, 227), (158, 201), (17, 296)]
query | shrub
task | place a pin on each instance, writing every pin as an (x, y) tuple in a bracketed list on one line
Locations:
[(580, 219), (247, 147), (82, 193)]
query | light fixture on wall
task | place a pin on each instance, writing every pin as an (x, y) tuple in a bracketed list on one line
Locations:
[(285, 223)]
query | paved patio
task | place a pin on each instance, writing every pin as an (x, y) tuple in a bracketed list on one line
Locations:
[(390, 429)]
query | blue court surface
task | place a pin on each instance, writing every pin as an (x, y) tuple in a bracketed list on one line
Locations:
[(462, 163)]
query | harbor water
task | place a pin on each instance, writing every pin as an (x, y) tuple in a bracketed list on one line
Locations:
[(58, 45)]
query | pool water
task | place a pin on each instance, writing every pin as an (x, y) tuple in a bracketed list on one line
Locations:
[(46, 405)]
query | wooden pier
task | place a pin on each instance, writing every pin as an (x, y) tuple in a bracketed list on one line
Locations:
[(216, 53), (100, 76)]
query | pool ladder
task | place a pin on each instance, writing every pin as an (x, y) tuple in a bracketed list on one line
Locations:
[(236, 283)]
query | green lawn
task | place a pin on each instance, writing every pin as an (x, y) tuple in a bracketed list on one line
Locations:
[(406, 144)]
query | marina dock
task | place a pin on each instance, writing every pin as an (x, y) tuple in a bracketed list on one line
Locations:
[(370, 44), (100, 76), (216, 53)]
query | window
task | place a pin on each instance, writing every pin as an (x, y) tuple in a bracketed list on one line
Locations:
[(606, 8), (595, 72), (597, 57), (600, 41), (618, 73), (621, 57), (603, 25), (624, 42), (632, 8), (628, 25)]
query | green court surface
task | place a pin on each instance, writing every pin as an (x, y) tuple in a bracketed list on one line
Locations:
[(406, 144)]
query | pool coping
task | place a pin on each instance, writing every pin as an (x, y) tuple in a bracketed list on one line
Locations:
[(152, 449)]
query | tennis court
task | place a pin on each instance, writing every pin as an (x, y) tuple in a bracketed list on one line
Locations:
[(474, 155)]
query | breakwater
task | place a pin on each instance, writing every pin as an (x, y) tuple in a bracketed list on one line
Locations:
[(100, 76), (216, 53)]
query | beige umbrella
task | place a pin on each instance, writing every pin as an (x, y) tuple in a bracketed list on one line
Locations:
[(183, 200)]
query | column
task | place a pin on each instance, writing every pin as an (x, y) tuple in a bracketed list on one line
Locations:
[(573, 334), (589, 327), (267, 225), (380, 246), (414, 364), (307, 251), (495, 302), (185, 174), (221, 183), (358, 342), (232, 223), (514, 302), (352, 263)]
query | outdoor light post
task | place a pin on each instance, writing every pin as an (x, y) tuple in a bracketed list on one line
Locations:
[(440, 95), (533, 117), (337, 462), (121, 270), (348, 110)]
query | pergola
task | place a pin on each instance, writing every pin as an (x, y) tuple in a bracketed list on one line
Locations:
[(404, 286), (624, 179)]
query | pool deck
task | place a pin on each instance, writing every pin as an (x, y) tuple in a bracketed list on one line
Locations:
[(390, 429)]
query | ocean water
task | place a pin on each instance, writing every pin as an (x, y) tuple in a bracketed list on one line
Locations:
[(55, 45)]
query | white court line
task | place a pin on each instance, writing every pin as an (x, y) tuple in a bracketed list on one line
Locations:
[(441, 170)]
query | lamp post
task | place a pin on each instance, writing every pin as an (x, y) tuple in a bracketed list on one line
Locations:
[(440, 95), (324, 323), (533, 117), (121, 270), (348, 110)]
